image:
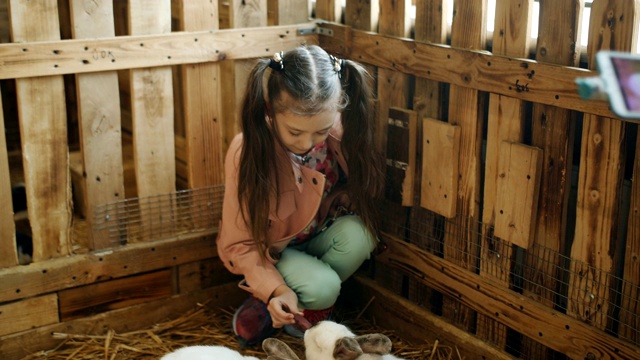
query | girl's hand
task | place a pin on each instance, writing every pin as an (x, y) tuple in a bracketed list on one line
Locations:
[(282, 306)]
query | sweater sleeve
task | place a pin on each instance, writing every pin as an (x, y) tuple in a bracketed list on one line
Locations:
[(236, 247)]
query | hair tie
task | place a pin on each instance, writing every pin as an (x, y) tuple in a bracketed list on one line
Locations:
[(338, 64), (277, 61)]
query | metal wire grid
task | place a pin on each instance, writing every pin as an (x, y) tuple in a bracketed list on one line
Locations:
[(160, 216), (597, 297)]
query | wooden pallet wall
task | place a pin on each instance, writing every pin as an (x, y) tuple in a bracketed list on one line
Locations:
[(518, 221), (115, 64)]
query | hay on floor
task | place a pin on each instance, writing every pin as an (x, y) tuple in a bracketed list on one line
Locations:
[(203, 325)]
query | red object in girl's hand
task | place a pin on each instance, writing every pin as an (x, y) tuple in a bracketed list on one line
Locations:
[(302, 321)]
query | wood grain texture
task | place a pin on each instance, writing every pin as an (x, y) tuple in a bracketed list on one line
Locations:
[(461, 240), (523, 79), (613, 26), (43, 132), (553, 131), (99, 117), (104, 296), (201, 103), (63, 273), (506, 122), (518, 185), (558, 331), (440, 150), (25, 343), (28, 314)]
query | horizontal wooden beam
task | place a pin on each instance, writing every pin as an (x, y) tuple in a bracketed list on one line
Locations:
[(413, 323), (20, 60), (546, 326), (20, 282), (139, 316), (519, 78)]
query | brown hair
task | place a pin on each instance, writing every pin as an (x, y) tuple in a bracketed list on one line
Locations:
[(311, 79)]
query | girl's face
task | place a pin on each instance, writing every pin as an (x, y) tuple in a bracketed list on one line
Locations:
[(300, 133)]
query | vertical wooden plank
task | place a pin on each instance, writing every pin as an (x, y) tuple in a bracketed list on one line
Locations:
[(517, 186), (288, 12), (441, 146), (511, 35), (552, 130), (43, 132), (152, 105), (202, 102), (329, 10), (243, 14), (461, 240), (630, 303), (8, 250), (613, 26), (99, 117), (393, 86), (362, 14), (429, 101)]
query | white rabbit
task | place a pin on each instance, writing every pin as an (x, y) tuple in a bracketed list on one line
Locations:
[(203, 352), (328, 340)]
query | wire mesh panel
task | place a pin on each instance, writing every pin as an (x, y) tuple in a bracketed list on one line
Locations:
[(161, 216)]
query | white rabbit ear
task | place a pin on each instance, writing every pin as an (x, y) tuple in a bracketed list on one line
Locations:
[(374, 343), (347, 348), (278, 350)]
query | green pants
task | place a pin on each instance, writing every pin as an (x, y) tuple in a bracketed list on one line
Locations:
[(316, 268)]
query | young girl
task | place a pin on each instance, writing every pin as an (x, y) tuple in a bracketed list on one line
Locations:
[(301, 180)]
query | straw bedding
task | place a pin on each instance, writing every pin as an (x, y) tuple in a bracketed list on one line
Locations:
[(203, 325)]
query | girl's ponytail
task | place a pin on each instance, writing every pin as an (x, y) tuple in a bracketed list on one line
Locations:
[(257, 160), (366, 176)]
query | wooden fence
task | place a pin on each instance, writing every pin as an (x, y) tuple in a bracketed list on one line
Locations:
[(512, 210)]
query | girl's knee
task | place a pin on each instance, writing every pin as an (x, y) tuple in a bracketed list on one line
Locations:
[(320, 292), (353, 235)]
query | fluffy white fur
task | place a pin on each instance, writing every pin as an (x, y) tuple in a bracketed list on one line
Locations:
[(202, 352), (320, 340)]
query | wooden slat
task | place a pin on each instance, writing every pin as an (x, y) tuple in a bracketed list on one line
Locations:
[(460, 239), (362, 14), (393, 87), (429, 101), (8, 248), (115, 294), (152, 111), (63, 273), (440, 150), (27, 343), (401, 155), (28, 314), (630, 303), (234, 74), (506, 118), (552, 130), (43, 133), (99, 117), (520, 78), (288, 12), (517, 188), (329, 10), (569, 336), (43, 58), (613, 26), (201, 98)]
